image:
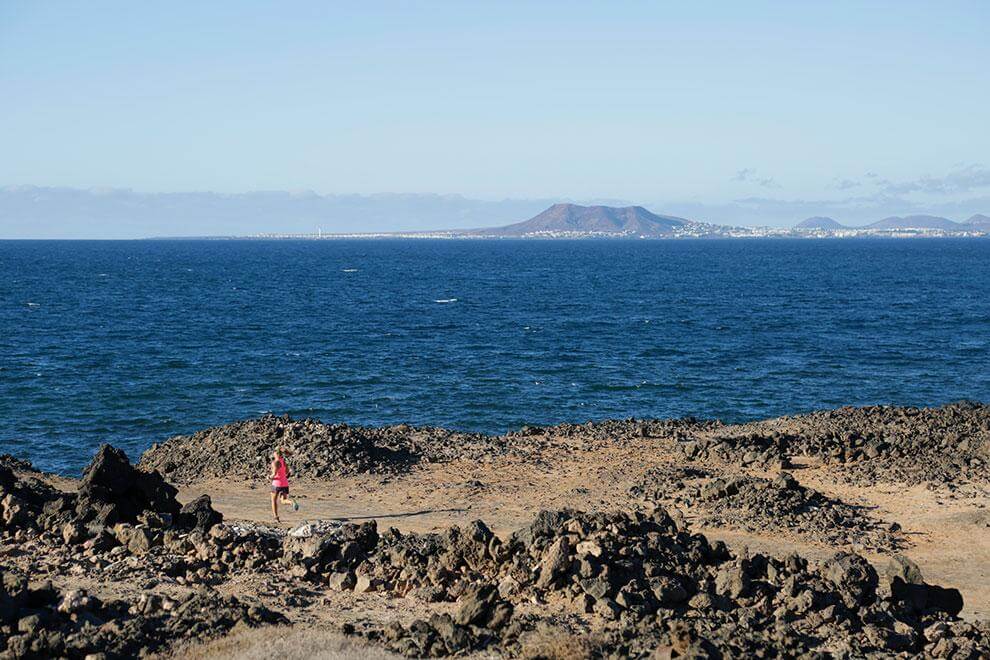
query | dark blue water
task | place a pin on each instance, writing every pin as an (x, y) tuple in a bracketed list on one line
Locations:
[(130, 342)]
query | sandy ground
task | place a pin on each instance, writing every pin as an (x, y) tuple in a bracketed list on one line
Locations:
[(947, 533)]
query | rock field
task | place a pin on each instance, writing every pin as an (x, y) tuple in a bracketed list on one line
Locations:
[(950, 444), (780, 505), (625, 582)]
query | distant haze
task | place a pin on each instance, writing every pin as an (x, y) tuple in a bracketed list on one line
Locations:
[(40, 212), (31, 212)]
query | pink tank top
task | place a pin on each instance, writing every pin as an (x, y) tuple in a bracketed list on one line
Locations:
[(281, 479)]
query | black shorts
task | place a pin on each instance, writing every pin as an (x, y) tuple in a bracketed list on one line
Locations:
[(280, 490)]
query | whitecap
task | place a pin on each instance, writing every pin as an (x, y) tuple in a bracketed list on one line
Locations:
[(34, 304), (349, 270), (445, 301)]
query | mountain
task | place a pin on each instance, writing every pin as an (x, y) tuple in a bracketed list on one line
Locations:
[(979, 221), (820, 222), (572, 218), (916, 222)]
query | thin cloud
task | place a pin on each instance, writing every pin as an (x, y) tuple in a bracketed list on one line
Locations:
[(962, 180), (845, 184), (749, 175)]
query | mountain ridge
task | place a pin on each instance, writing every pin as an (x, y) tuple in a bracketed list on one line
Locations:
[(916, 222), (977, 222)]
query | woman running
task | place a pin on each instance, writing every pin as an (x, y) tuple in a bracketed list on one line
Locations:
[(280, 482)]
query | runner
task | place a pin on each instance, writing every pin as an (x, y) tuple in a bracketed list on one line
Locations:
[(280, 482)]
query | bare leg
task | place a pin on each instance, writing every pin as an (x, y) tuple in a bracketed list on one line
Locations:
[(286, 500), (275, 507)]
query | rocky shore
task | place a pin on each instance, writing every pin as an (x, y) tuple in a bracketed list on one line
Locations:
[(116, 566)]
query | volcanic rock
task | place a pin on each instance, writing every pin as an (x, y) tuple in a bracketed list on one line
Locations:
[(40, 621), (115, 491), (946, 445), (782, 504), (244, 449), (199, 514)]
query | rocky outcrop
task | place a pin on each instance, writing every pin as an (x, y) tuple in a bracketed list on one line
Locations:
[(113, 491), (120, 511), (199, 515), (477, 623), (946, 445), (24, 500), (652, 583), (115, 501), (244, 449), (784, 505)]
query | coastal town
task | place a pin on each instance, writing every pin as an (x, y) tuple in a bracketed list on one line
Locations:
[(585, 223)]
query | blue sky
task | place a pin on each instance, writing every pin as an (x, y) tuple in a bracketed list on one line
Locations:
[(708, 103)]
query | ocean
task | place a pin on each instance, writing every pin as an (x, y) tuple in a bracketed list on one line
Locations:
[(131, 342)]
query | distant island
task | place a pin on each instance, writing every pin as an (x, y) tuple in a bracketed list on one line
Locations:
[(571, 221), (922, 223)]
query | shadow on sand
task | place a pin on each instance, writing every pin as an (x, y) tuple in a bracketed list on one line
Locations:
[(407, 514)]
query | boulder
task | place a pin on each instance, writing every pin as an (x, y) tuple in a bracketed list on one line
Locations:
[(308, 551), (109, 473), (546, 524), (854, 577), (480, 605), (342, 581), (365, 584), (13, 511), (596, 587), (556, 561), (731, 581), (73, 532), (199, 514), (668, 591), (137, 540), (908, 587)]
